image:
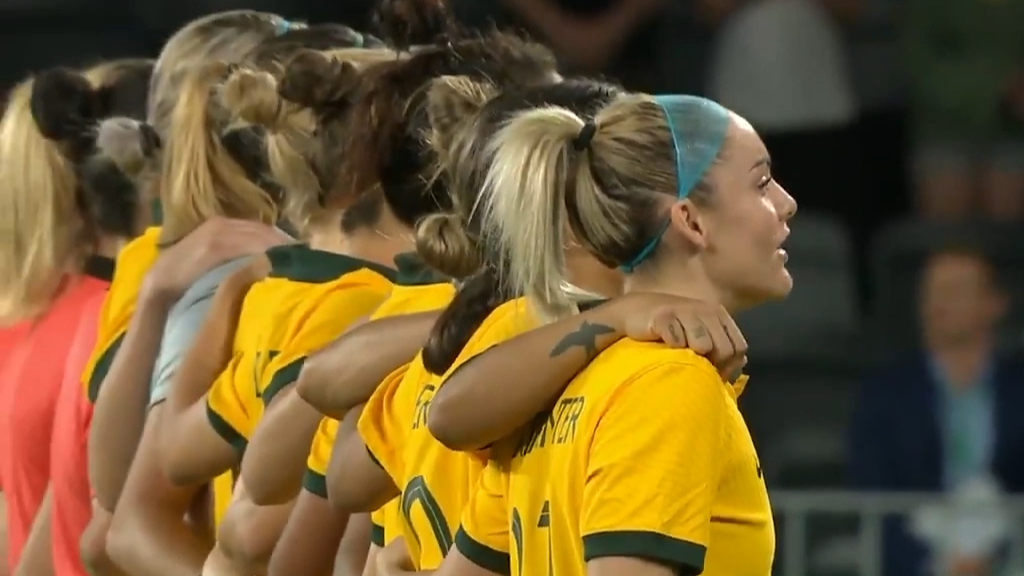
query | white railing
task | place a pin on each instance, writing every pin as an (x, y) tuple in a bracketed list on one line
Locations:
[(796, 506)]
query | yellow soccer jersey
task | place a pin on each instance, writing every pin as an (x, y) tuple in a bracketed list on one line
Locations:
[(411, 296), (435, 481), (133, 262), (267, 320), (223, 486), (387, 523), (645, 454), (341, 292), (319, 458)]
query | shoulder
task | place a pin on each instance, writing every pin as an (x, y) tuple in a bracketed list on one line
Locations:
[(413, 299), (146, 245), (505, 322), (656, 370), (205, 286)]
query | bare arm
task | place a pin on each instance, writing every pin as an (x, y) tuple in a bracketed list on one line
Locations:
[(191, 450), (275, 460), (93, 544), (615, 566), (347, 372), (37, 555), (310, 539), (148, 535), (120, 412), (248, 533), (492, 395), (355, 482), (455, 564), (355, 544)]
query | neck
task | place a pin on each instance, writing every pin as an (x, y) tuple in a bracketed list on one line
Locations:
[(378, 243), (687, 281), (108, 246)]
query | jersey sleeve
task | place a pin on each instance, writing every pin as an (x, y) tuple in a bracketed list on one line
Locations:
[(654, 466), (319, 458), (384, 521), (377, 526), (483, 537), (332, 316), (384, 423), (225, 410)]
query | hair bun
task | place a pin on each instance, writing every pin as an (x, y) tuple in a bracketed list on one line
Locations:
[(315, 80), (406, 23), (64, 104), (444, 244), (127, 143), (252, 96)]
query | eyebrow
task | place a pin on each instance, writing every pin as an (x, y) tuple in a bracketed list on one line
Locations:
[(766, 161)]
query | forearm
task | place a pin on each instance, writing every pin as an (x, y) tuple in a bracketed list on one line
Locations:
[(495, 393), (37, 555), (310, 540), (347, 372), (152, 543), (93, 544), (248, 534), (275, 460), (120, 412)]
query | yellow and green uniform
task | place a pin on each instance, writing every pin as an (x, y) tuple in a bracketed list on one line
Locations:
[(417, 289), (435, 482), (646, 455), (276, 311), (133, 263), (308, 297), (386, 523)]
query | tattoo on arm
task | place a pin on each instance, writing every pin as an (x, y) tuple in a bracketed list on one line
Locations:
[(585, 337)]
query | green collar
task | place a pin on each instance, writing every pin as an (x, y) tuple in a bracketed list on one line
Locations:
[(301, 263), (413, 271)]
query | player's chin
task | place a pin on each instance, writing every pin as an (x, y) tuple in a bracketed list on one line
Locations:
[(780, 285)]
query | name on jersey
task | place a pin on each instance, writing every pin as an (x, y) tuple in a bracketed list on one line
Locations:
[(423, 400), (554, 427)]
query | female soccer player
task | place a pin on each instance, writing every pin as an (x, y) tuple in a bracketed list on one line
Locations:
[(393, 422), (69, 173), (644, 458), (206, 429)]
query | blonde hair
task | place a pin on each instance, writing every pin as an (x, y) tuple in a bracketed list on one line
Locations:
[(45, 226), (444, 241), (301, 109), (227, 36), (540, 182)]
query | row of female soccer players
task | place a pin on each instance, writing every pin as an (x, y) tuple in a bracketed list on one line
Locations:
[(224, 354)]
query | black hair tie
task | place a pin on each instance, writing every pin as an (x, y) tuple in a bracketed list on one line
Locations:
[(582, 140)]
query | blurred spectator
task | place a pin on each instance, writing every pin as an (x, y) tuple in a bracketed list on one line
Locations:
[(966, 64), (948, 415), (782, 64)]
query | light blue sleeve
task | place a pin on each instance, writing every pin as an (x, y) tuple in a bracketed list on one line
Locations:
[(184, 321)]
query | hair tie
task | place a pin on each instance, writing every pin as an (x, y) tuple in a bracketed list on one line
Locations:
[(582, 140), (358, 40), (282, 27)]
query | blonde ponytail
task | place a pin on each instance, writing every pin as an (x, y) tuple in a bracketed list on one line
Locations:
[(200, 179), (531, 161)]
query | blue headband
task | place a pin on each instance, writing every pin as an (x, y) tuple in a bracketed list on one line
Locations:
[(697, 126)]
